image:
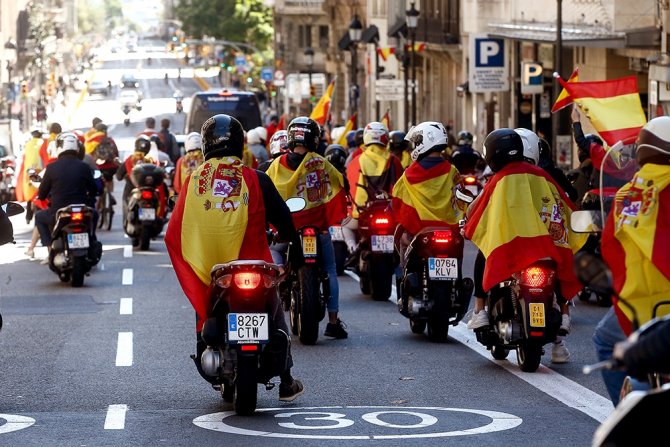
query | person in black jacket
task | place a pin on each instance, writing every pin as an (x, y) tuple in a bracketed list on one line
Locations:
[(547, 163), (650, 353), (66, 181)]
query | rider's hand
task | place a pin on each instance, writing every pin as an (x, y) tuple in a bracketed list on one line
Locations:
[(575, 114)]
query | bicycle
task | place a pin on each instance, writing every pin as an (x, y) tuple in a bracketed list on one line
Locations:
[(105, 207)]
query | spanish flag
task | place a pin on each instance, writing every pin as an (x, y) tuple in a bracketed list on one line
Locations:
[(636, 244), (613, 107), (418, 47), (33, 158), (322, 108), (348, 127), (385, 52), (523, 216), (564, 98), (386, 119), (377, 169), (316, 181), (219, 217), (92, 141), (425, 198)]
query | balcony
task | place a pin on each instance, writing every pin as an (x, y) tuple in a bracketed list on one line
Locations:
[(300, 7)]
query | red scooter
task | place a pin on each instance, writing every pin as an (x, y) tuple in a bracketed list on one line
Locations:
[(377, 260)]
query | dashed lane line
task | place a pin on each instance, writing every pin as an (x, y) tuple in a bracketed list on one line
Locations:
[(124, 349), (116, 417), (127, 278), (127, 251), (126, 306)]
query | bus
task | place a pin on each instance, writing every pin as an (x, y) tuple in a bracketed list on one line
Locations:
[(241, 105)]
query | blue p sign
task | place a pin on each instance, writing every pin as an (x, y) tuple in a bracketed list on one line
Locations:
[(531, 78), (489, 52)]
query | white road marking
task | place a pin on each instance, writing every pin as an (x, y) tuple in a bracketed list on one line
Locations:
[(116, 417), (544, 379), (14, 422), (126, 306), (124, 349), (127, 251), (127, 278)]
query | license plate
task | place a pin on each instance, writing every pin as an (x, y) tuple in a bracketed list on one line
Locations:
[(474, 189), (443, 268), (77, 240), (248, 328), (536, 314), (336, 233), (382, 244), (147, 214), (309, 245)]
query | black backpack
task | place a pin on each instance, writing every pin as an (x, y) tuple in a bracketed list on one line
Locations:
[(105, 150)]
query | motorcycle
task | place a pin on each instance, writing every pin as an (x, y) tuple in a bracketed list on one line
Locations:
[(126, 111), (377, 259), (239, 348), (143, 222), (179, 105), (340, 248), (432, 291), (473, 183), (74, 250), (7, 188), (9, 209)]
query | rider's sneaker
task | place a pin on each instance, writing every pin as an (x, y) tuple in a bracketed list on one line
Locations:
[(479, 320), (559, 353), (336, 330), (288, 392), (30, 253), (565, 325)]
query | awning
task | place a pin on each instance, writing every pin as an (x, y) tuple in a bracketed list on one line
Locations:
[(576, 35), (398, 28)]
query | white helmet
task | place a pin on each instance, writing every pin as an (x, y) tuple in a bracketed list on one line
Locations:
[(426, 137), (193, 142), (531, 145), (257, 135), (279, 143), (67, 142), (375, 133)]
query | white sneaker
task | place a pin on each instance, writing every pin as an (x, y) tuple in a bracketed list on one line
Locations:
[(559, 353), (480, 319), (30, 253), (565, 325)]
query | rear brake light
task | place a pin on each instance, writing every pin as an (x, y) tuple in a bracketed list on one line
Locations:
[(442, 237), (309, 232), (247, 280), (249, 348), (381, 221), (537, 277), (470, 179), (147, 195), (77, 216)]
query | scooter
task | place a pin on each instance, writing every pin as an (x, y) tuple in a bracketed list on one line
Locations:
[(143, 221), (377, 259), (179, 105)]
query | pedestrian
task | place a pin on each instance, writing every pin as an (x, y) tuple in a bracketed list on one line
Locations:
[(170, 145)]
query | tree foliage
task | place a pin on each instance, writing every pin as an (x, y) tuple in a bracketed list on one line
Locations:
[(247, 21)]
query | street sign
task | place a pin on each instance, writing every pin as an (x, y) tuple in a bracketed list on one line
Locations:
[(266, 74), (240, 61), (489, 69), (391, 89), (531, 78), (279, 77)]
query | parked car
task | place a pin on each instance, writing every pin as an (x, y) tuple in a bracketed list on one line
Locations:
[(98, 87)]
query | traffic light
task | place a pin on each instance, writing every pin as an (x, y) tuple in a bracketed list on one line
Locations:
[(312, 92), (50, 88), (24, 88)]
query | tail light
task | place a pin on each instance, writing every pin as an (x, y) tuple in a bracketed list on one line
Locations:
[(247, 280), (380, 221), (78, 216), (147, 195), (309, 232), (536, 277), (470, 180), (443, 237)]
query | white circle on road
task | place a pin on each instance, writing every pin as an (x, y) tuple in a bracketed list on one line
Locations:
[(499, 422), (15, 422)]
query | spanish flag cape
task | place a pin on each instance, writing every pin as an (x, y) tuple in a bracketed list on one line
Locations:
[(376, 165), (523, 216), (636, 244), (34, 157), (185, 166), (424, 197), (136, 158), (319, 183), (219, 217), (92, 141)]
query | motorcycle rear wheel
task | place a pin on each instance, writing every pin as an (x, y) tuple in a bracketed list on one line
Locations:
[(529, 354), (79, 268), (308, 316), (417, 326), (246, 386), (380, 269), (438, 320), (145, 238)]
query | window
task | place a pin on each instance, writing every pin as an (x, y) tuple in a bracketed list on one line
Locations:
[(323, 37), (305, 35)]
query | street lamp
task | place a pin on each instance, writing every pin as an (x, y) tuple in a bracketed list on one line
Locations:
[(10, 55), (412, 18), (355, 33), (309, 60)]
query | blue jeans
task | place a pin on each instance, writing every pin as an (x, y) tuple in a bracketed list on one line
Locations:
[(607, 333)]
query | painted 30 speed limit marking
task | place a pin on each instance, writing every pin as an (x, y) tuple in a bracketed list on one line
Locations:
[(377, 422), (14, 422)]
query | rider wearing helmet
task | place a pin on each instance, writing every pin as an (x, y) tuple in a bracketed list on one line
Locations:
[(66, 181), (140, 155), (464, 157), (358, 145), (304, 173), (337, 156), (424, 195), (399, 147), (256, 141), (531, 145), (278, 147), (538, 228), (188, 162), (547, 163), (200, 235)]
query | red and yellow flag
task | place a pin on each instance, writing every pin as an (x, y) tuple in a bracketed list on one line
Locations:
[(564, 98), (418, 47), (376, 166), (348, 127), (636, 244), (316, 181), (425, 197), (614, 107), (385, 52), (322, 108), (523, 216), (33, 158), (386, 119), (219, 217), (186, 165)]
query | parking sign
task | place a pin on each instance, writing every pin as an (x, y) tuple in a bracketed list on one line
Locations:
[(489, 70)]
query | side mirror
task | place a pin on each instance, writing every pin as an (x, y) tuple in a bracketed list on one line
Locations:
[(172, 201), (586, 221), (296, 204), (460, 195), (12, 208), (97, 174)]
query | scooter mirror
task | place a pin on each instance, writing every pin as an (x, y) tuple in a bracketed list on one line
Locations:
[(586, 221), (12, 208), (593, 272), (464, 197), (296, 204)]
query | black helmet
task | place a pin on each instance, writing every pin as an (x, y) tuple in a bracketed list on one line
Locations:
[(159, 143), (397, 141), (546, 155), (592, 138), (222, 135), (501, 147), (142, 144), (464, 138), (304, 131), (337, 156), (358, 136)]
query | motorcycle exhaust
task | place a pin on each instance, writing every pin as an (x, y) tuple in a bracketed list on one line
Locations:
[(60, 260), (210, 361)]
